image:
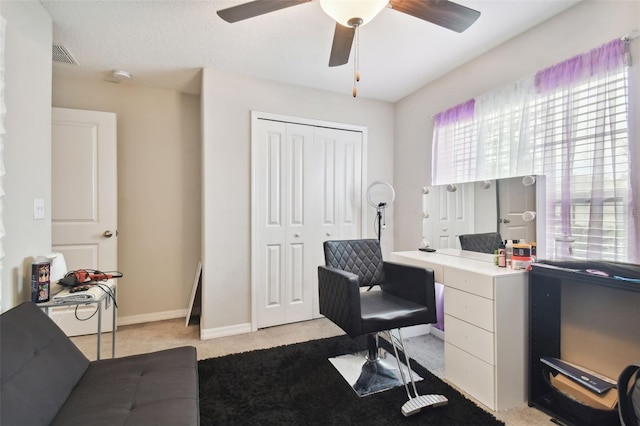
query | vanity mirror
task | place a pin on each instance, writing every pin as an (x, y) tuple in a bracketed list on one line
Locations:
[(511, 206)]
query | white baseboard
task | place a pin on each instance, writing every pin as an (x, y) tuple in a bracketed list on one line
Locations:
[(437, 333), (421, 330), (212, 333), (416, 330), (156, 316)]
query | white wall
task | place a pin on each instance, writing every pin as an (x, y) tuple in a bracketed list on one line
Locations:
[(158, 191), (579, 29), (227, 102), (27, 144)]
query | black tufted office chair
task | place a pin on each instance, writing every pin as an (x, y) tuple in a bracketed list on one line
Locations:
[(406, 297), (629, 395), (483, 243)]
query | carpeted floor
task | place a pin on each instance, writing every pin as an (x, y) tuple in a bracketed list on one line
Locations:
[(297, 385)]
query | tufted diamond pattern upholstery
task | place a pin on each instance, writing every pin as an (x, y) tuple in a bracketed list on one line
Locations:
[(483, 243), (404, 295), (360, 257)]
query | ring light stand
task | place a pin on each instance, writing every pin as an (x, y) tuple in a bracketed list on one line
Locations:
[(380, 204)]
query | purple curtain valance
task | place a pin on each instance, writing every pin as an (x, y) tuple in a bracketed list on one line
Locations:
[(609, 56), (460, 112)]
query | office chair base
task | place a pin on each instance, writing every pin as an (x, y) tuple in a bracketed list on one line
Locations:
[(369, 377)]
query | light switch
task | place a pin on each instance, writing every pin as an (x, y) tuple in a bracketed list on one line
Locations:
[(38, 208)]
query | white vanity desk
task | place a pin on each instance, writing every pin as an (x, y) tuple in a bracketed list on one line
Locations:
[(486, 317)]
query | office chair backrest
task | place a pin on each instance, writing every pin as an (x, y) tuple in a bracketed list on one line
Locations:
[(360, 257), (629, 395), (483, 243)]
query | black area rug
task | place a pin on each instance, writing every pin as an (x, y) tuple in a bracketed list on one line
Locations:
[(297, 385)]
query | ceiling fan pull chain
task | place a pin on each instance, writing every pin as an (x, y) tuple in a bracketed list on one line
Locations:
[(356, 63), (358, 53)]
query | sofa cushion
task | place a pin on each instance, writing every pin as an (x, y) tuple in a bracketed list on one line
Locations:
[(37, 361), (159, 388)]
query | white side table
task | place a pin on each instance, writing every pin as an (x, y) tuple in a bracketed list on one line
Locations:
[(101, 298)]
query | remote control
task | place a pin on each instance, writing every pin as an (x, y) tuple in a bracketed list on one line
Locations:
[(427, 249)]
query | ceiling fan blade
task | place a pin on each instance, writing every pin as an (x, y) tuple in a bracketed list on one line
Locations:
[(255, 8), (341, 48), (444, 13)]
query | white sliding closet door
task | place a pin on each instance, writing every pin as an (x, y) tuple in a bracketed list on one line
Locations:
[(339, 197), (307, 188)]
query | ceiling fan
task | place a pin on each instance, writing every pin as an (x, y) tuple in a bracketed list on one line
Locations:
[(351, 14)]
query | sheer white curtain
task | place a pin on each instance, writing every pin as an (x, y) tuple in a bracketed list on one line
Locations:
[(582, 118), (489, 137), (505, 124), (454, 146), (569, 122)]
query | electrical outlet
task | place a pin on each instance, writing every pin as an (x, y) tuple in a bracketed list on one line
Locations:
[(38, 208)]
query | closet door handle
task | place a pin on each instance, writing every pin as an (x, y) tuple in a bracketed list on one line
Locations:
[(297, 234)]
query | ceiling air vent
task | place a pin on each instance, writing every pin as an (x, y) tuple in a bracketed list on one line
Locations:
[(61, 54)]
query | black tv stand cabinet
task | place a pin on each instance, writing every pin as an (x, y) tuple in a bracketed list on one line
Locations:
[(570, 318)]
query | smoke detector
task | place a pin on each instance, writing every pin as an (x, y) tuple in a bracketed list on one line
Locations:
[(117, 76)]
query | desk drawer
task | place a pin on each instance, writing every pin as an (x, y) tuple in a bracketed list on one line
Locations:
[(469, 307), (470, 373), (468, 281), (477, 341)]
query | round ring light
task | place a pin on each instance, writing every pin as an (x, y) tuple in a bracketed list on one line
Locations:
[(372, 194)]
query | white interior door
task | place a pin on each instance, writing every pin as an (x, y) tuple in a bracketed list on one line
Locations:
[(84, 201), (338, 173), (282, 159), (307, 188), (514, 199), (451, 215)]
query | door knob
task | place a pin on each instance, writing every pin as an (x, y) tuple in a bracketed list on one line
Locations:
[(328, 234), (107, 234), (296, 235)]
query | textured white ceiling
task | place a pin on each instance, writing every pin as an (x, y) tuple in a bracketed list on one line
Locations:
[(165, 43)]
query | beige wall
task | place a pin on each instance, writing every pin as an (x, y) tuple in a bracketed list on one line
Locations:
[(27, 147), (158, 191), (579, 29), (227, 101)]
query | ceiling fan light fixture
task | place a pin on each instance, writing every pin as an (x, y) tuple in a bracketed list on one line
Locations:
[(342, 11)]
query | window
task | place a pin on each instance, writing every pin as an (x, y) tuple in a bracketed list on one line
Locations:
[(569, 122), (586, 148)]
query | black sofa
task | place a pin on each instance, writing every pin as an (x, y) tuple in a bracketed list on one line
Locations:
[(46, 380)]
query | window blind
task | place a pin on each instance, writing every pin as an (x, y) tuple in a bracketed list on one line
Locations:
[(585, 149), (570, 123)]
